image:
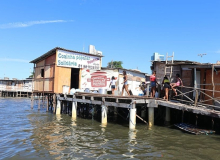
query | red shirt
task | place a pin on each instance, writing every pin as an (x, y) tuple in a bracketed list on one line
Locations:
[(152, 78)]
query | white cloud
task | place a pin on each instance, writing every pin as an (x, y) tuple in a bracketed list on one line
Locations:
[(28, 24), (14, 60), (218, 51)]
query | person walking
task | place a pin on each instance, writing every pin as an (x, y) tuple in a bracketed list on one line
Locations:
[(113, 84), (166, 86), (178, 83), (125, 84), (153, 81)]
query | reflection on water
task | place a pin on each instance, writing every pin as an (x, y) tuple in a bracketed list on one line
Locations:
[(33, 134)]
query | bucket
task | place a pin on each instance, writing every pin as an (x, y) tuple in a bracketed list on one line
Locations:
[(102, 91), (65, 89), (72, 91)]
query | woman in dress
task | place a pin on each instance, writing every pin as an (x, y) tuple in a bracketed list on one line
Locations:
[(125, 84)]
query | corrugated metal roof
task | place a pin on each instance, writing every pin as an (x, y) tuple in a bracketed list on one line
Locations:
[(53, 51)]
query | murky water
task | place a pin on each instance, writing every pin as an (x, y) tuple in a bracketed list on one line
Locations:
[(33, 134)]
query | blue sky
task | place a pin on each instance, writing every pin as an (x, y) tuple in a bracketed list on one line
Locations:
[(124, 30)]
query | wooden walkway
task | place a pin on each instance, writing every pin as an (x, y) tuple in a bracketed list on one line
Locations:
[(128, 101)]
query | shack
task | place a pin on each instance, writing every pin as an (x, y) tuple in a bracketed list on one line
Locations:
[(201, 81), (61, 67)]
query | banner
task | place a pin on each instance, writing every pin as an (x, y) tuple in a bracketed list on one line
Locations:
[(94, 79), (77, 60)]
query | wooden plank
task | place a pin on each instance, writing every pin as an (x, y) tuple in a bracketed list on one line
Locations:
[(122, 105)]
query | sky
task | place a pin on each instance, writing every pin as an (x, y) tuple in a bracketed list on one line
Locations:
[(124, 30)]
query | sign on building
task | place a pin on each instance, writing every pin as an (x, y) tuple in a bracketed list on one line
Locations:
[(77, 60)]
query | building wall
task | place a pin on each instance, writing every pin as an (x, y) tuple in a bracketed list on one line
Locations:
[(46, 83), (62, 77), (209, 86), (16, 85)]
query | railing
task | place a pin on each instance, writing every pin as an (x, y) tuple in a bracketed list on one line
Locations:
[(198, 97)]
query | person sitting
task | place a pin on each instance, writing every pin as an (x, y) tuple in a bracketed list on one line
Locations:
[(177, 84)]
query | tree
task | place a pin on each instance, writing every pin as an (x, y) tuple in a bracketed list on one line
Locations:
[(32, 75), (115, 64)]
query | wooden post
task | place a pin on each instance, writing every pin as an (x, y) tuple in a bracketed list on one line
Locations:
[(115, 113), (58, 108), (148, 87), (47, 102), (195, 87), (213, 85), (167, 117), (132, 117), (143, 112), (151, 116), (54, 103), (104, 112), (74, 110), (38, 101), (152, 103), (32, 101)]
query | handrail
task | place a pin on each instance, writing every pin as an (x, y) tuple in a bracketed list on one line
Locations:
[(196, 101)]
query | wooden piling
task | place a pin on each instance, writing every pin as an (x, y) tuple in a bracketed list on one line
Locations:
[(38, 101), (132, 117), (47, 102), (104, 112)]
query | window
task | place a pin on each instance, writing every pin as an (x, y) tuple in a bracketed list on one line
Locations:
[(42, 72)]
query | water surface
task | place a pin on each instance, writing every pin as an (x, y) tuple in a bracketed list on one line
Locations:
[(27, 133)]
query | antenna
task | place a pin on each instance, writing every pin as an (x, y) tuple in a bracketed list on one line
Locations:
[(201, 55)]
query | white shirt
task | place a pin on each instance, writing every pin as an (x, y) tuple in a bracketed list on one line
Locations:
[(113, 82)]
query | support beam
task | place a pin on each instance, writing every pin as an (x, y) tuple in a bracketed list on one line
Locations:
[(32, 101), (167, 117), (47, 99), (58, 108), (132, 118), (38, 101), (104, 115), (143, 112), (74, 110), (54, 103), (151, 116)]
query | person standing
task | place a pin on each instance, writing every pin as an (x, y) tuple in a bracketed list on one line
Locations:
[(166, 86), (125, 84), (153, 81), (178, 83), (113, 84)]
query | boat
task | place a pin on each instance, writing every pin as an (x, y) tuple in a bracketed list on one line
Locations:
[(193, 129)]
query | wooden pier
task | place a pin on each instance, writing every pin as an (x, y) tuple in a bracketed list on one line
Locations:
[(130, 103)]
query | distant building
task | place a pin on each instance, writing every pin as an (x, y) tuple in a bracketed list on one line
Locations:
[(14, 87)]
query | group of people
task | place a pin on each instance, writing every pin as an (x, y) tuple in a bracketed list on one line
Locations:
[(166, 84), (125, 84)]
